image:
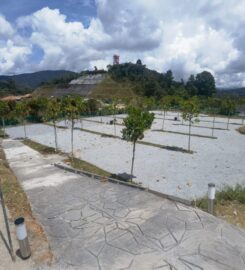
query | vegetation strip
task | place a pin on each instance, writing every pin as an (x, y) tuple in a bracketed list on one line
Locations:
[(183, 133), (229, 205), (166, 147), (74, 162), (241, 130), (19, 206), (200, 126), (99, 122), (170, 148), (218, 122), (99, 177)]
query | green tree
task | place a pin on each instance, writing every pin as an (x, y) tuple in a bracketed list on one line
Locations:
[(169, 78), (136, 123), (190, 110), (165, 105), (37, 108), (52, 112), (72, 107), (4, 113), (191, 86), (22, 111), (205, 84)]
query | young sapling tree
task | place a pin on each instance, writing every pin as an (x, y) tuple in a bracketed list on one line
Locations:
[(52, 112), (190, 110), (73, 106), (136, 123)]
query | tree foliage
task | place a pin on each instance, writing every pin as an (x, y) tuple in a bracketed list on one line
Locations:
[(152, 83), (136, 123), (190, 110)]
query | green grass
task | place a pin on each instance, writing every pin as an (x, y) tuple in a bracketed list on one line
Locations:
[(88, 167), (43, 149), (109, 88), (44, 91), (229, 205), (200, 126), (170, 148), (184, 133), (74, 162)]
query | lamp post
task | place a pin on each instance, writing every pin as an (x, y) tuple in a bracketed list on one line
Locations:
[(21, 232), (211, 197)]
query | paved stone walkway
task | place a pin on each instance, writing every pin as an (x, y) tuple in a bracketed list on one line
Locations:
[(94, 225)]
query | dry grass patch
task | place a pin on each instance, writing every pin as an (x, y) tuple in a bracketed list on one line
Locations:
[(229, 205), (18, 205), (241, 130)]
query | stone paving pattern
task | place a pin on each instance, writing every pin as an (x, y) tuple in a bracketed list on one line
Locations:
[(103, 226)]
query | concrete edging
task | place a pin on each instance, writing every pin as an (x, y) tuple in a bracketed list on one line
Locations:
[(112, 180)]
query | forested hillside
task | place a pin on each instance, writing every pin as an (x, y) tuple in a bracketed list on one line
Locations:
[(152, 83), (23, 83)]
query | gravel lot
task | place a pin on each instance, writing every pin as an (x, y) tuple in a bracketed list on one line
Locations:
[(218, 160)]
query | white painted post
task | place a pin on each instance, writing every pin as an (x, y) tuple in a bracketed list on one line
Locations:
[(211, 197)]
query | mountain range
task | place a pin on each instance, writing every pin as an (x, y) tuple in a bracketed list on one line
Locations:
[(33, 80)]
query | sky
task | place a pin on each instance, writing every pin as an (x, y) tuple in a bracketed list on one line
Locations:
[(186, 36)]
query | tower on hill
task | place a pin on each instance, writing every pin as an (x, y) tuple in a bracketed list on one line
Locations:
[(116, 59)]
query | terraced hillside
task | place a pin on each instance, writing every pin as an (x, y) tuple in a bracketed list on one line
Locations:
[(91, 86)]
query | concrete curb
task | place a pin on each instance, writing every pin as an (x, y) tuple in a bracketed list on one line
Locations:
[(116, 181)]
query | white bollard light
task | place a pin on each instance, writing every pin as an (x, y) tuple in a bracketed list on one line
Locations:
[(21, 232), (211, 197)]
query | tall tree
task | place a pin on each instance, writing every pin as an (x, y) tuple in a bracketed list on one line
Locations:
[(205, 83), (191, 86), (169, 78), (52, 112), (136, 123), (190, 110), (4, 113)]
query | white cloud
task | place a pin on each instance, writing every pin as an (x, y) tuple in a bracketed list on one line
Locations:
[(6, 29), (13, 49), (187, 36)]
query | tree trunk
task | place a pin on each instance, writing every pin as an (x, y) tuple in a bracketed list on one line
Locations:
[(55, 136), (114, 122), (163, 120), (72, 126), (189, 141), (213, 126), (132, 165), (3, 124), (228, 122), (24, 124)]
